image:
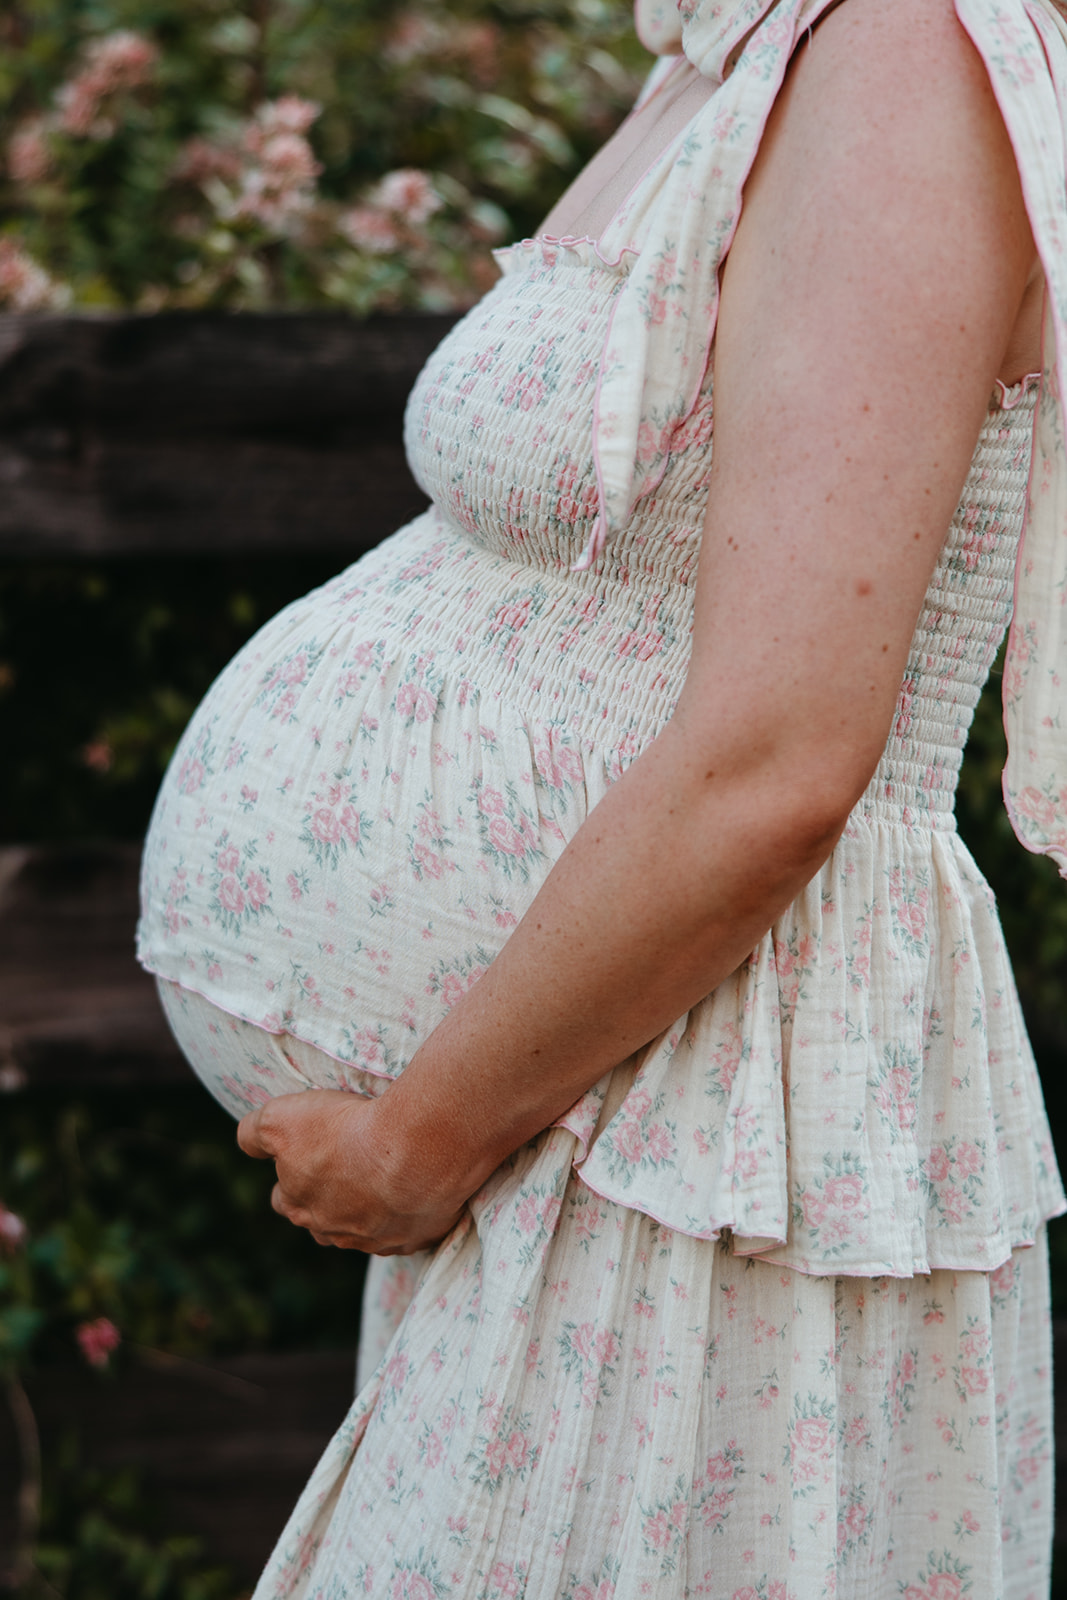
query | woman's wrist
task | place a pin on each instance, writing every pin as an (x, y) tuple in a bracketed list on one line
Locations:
[(425, 1148)]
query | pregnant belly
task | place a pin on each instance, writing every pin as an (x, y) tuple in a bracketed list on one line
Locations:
[(243, 1065), (358, 815)]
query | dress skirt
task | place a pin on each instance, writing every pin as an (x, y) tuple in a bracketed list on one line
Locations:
[(567, 1400)]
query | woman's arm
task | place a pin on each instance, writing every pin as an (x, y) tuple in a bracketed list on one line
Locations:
[(867, 303)]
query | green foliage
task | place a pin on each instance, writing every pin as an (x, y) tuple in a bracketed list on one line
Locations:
[(145, 1229), (119, 653), (101, 1540), (1031, 895), (140, 1209), (194, 152)]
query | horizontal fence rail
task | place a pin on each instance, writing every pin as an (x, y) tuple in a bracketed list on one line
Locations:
[(194, 431)]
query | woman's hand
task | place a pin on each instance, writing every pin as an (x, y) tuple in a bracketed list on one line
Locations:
[(343, 1173)]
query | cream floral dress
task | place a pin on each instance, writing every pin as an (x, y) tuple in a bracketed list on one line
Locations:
[(765, 1314)]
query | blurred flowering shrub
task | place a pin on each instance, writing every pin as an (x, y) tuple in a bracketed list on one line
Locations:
[(133, 1225), (354, 153)]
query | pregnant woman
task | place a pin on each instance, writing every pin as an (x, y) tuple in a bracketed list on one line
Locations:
[(568, 895)]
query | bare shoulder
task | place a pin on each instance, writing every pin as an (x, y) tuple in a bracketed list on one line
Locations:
[(897, 93), (894, 103)]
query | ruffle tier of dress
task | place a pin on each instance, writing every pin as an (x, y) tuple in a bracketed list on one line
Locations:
[(374, 790)]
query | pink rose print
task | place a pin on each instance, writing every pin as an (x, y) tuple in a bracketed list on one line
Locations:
[(944, 1586), (332, 824), (415, 702), (256, 889), (968, 1159), (845, 1192), (628, 1141), (231, 895), (974, 1379), (856, 1520), (1031, 803), (409, 1585), (811, 1434), (937, 1165)]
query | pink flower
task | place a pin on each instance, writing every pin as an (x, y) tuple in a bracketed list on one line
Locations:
[(412, 1586), (369, 230), (856, 1519), (813, 1207), (658, 1531), (256, 889), (937, 1165), (408, 194), (98, 755), (505, 838), (607, 1347), (719, 1469), (628, 1141), (397, 1371), (12, 1231), (325, 826), (414, 701), (120, 60), (29, 159), (290, 113), (845, 1192), (231, 895), (97, 1340), (943, 1586), (912, 919), (431, 865), (660, 1145), (515, 615), (228, 859), (191, 775), (349, 823), (968, 1159), (288, 161), (811, 1434), (24, 284), (1003, 1279), (199, 160), (504, 1578), (1033, 804), (975, 1379)]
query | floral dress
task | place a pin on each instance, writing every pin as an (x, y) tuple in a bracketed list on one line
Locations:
[(765, 1314)]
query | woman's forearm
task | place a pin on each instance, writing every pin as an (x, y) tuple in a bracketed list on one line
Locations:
[(662, 893)]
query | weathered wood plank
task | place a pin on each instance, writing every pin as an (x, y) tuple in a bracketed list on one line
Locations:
[(205, 431), (223, 1448), (75, 1008)]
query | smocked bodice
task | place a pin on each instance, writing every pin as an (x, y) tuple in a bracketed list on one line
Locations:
[(500, 435)]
